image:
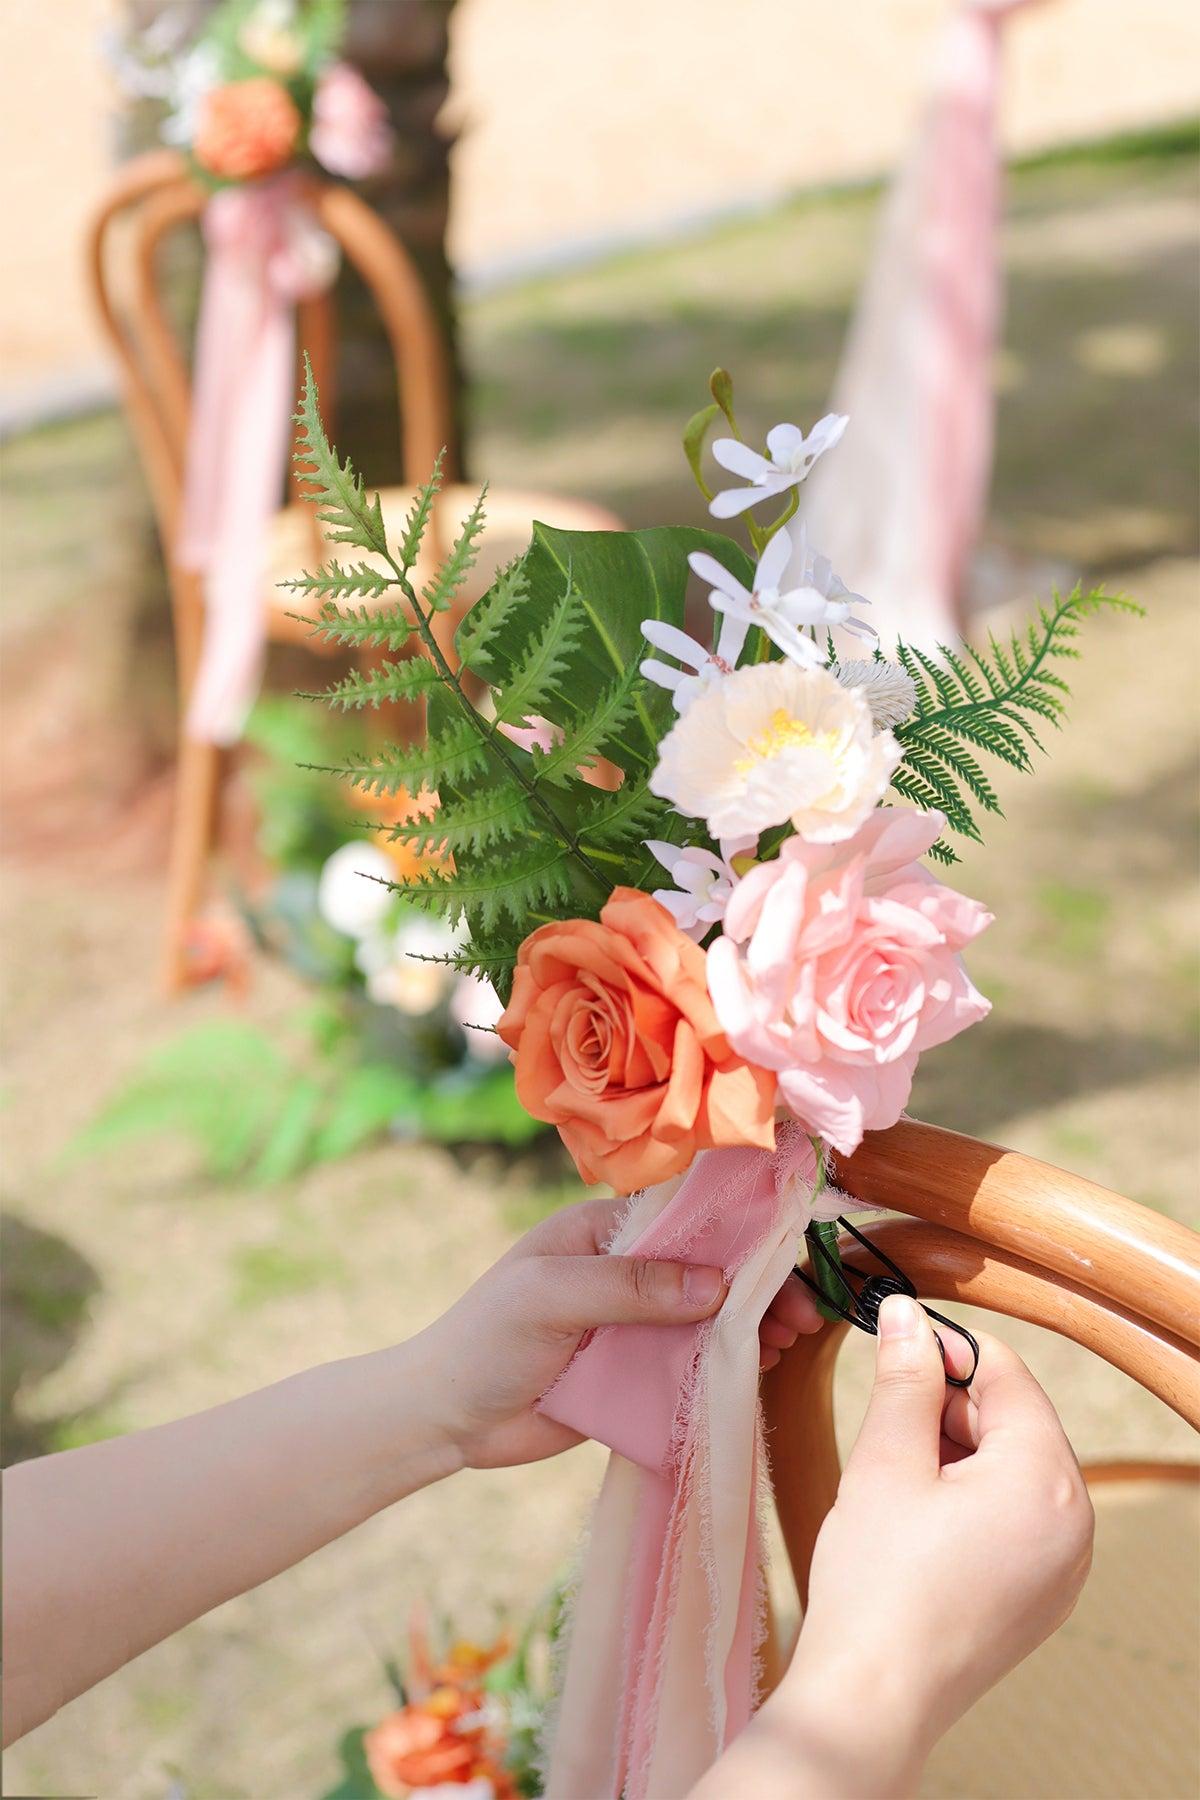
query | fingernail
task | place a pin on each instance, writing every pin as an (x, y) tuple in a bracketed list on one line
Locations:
[(701, 1286), (899, 1317)]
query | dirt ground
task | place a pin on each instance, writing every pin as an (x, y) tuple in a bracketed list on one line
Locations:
[(138, 1291)]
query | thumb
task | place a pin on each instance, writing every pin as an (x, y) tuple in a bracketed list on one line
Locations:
[(579, 1292), (901, 1431)]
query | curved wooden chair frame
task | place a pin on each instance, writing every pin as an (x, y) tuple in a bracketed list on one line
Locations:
[(998, 1230), (153, 196)]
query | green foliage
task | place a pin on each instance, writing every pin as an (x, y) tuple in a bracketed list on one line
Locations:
[(557, 636), (991, 701), (255, 1112), (348, 514), (355, 1781)]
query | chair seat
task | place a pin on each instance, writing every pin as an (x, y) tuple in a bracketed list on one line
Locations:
[(511, 512)]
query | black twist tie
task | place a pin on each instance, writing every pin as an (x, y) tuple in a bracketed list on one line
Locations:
[(862, 1292)]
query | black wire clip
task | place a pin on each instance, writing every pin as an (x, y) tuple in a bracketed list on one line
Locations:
[(861, 1302)]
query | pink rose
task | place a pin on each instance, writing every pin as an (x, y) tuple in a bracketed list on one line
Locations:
[(350, 133), (839, 965)]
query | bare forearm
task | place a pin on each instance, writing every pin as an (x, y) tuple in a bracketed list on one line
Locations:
[(833, 1728), (110, 1548)]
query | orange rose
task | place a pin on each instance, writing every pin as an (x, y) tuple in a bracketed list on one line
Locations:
[(616, 1042), (417, 1748), (246, 128)]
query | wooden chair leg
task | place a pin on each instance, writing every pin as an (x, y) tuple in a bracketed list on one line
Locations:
[(801, 1443), (197, 791)]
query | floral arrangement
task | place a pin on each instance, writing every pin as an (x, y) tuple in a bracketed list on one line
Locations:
[(743, 926), (695, 870), (260, 89), (465, 1721)]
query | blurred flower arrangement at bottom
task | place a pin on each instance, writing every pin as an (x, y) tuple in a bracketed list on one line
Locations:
[(394, 1040), (466, 1722)]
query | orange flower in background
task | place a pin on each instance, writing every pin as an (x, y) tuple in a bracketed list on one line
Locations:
[(246, 129), (616, 1043), (401, 809), (442, 1739)]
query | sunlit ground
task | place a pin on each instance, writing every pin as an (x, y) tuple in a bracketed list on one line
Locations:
[(139, 1291)]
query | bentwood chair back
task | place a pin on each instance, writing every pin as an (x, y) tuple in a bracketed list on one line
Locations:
[(1001, 1231), (152, 197)]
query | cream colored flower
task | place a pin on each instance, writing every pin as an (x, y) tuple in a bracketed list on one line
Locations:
[(774, 742), (888, 691), (268, 38)]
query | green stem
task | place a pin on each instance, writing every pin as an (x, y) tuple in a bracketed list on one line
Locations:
[(789, 512), (824, 1233)]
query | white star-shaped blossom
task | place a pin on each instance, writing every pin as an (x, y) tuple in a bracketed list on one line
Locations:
[(703, 881), (793, 589), (701, 667), (790, 457)]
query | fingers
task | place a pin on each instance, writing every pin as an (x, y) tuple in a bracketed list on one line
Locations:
[(577, 1293), (580, 1230), (795, 1307), (901, 1431), (1009, 1402)]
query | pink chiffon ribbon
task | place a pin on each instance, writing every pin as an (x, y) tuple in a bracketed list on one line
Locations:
[(669, 1610), (265, 252), (899, 510)]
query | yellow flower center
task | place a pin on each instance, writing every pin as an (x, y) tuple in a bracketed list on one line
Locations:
[(782, 733)]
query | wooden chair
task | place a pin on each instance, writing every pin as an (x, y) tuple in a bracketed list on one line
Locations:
[(153, 196), (997, 1230)]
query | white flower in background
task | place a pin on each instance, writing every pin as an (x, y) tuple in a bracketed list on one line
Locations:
[(775, 742), (703, 881), (192, 77), (397, 966), (888, 691), (790, 457), (349, 895), (269, 37), (701, 667), (792, 590), (476, 1006)]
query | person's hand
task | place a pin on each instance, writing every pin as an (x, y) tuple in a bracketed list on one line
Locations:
[(960, 1539), (485, 1363)]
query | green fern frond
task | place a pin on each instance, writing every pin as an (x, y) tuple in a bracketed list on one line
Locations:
[(349, 515), (471, 824), (628, 817), (452, 755), (394, 681), (525, 888), (537, 683), (990, 703), (418, 516), (943, 853), (488, 616), (590, 737), (475, 958), (440, 593), (337, 581), (388, 628)]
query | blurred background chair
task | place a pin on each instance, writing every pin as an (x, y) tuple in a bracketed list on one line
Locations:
[(153, 197), (1000, 1231)]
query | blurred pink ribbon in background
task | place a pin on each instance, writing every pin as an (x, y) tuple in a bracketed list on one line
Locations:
[(669, 1610), (265, 251), (902, 514)]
